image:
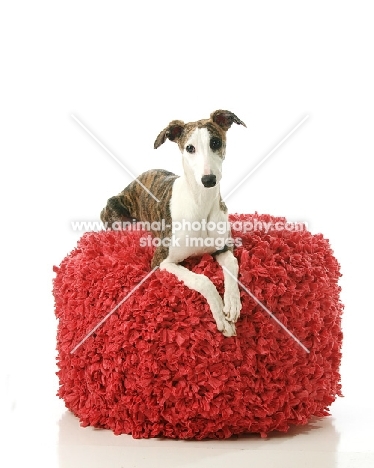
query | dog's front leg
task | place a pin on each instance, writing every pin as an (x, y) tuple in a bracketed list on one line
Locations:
[(231, 298), (204, 286)]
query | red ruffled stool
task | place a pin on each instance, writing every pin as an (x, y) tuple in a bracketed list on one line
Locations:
[(158, 366)]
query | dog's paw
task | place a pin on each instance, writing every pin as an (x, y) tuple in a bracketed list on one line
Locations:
[(232, 305), (227, 328), (215, 302)]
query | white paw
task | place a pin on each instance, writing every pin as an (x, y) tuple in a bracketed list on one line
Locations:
[(229, 329), (232, 306), (225, 326)]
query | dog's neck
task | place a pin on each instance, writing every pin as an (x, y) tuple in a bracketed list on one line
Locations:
[(205, 199)]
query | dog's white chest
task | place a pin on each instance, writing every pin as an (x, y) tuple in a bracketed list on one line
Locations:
[(198, 226)]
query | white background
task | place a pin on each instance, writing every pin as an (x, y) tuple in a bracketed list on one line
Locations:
[(125, 69)]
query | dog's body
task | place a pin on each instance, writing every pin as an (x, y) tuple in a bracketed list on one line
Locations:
[(191, 209)]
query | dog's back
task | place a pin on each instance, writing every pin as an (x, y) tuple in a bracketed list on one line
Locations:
[(137, 202)]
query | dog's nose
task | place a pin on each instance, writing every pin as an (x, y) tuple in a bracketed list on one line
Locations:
[(208, 180)]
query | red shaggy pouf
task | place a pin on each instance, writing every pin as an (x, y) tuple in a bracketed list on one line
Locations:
[(159, 367)]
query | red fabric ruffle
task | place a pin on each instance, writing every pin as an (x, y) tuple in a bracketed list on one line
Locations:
[(159, 367)]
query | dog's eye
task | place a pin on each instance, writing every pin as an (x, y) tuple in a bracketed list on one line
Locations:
[(215, 143), (190, 149)]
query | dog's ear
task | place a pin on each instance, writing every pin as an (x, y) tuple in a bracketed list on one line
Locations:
[(173, 131), (225, 119)]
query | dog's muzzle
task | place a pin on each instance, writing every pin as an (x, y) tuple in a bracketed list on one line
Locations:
[(209, 180)]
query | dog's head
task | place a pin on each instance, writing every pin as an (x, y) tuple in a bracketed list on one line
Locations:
[(202, 143)]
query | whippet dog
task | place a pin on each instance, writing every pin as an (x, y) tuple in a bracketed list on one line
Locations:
[(195, 218)]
